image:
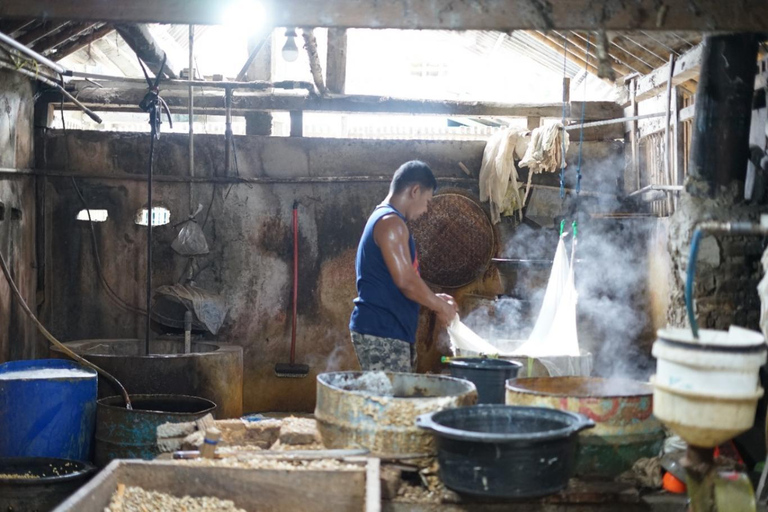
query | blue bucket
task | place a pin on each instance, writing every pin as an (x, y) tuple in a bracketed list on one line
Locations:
[(47, 415)]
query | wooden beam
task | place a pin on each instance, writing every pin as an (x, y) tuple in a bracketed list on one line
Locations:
[(573, 54), (44, 30), (686, 67), (73, 31), (310, 44), (336, 62), (297, 123), (502, 15), (71, 47), (13, 27), (103, 98), (146, 47)]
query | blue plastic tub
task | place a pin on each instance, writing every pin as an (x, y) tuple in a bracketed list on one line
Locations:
[(47, 415)]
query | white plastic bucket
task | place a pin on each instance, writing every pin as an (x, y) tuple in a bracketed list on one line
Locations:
[(706, 390)]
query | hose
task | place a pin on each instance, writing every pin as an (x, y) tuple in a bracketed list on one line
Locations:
[(691, 274), (52, 339)]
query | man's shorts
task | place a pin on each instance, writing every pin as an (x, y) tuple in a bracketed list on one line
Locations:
[(383, 354)]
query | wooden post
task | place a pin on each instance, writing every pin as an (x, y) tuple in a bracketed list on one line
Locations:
[(533, 122), (336, 74), (667, 163), (297, 123), (567, 96), (634, 135), (678, 137)]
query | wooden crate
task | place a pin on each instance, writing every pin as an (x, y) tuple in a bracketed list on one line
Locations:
[(265, 490)]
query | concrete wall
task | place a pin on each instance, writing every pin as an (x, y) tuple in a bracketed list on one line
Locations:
[(249, 232), (17, 215)]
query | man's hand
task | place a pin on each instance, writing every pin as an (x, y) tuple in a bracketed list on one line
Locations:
[(448, 309)]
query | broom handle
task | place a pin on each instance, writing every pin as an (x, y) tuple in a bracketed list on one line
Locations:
[(295, 278)]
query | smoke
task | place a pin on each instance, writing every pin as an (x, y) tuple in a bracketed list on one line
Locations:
[(611, 274)]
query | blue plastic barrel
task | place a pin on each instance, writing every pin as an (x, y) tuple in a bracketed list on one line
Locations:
[(46, 411)]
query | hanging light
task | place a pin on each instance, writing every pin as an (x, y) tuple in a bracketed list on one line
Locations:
[(290, 50)]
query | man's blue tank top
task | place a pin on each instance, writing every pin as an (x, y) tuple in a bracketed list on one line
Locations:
[(381, 309)]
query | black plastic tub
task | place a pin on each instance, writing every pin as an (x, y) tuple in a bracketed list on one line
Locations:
[(488, 375), (39, 484), (505, 451)]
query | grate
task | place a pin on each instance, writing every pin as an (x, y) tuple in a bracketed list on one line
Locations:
[(455, 241)]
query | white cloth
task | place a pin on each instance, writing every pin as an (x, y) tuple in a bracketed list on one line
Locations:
[(464, 338), (554, 333)]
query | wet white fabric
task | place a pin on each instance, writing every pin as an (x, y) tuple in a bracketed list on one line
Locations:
[(498, 175), (464, 338), (554, 333)]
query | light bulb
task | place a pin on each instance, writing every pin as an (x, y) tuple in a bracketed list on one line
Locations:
[(290, 50)]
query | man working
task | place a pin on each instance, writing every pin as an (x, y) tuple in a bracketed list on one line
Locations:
[(389, 288)]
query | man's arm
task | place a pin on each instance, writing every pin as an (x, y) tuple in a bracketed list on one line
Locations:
[(391, 235)]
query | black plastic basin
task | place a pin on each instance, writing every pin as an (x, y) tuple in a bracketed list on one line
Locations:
[(505, 451)]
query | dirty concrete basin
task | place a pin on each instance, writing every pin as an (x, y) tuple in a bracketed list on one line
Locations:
[(377, 410), (212, 370)]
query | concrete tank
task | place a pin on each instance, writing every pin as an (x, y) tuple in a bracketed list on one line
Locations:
[(213, 370)]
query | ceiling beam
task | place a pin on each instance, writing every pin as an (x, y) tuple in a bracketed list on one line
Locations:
[(557, 46), (687, 67), (73, 31), (43, 31), (502, 15), (146, 47), (71, 47), (121, 99)]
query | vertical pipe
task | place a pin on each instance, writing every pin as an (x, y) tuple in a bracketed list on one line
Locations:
[(191, 117), (228, 129), (153, 135), (720, 133), (634, 139)]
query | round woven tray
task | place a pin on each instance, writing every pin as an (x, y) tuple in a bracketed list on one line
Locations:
[(455, 241)]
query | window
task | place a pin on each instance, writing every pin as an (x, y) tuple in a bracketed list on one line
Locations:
[(160, 216), (93, 215)]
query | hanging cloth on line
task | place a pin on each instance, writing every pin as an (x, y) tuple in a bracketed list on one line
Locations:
[(554, 333)]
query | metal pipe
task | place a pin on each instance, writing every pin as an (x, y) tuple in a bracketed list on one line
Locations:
[(33, 54), (191, 114), (227, 130), (663, 188), (50, 82), (612, 121), (659, 42)]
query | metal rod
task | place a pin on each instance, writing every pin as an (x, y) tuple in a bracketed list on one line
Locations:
[(90, 113), (33, 54), (191, 114), (666, 47), (252, 57), (613, 121), (663, 188), (227, 130), (149, 233), (662, 59)]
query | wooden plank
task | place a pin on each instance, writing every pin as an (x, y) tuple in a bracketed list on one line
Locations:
[(146, 47), (44, 30), (686, 67), (130, 98), (297, 123), (336, 62), (634, 136), (74, 30), (678, 137), (503, 15)]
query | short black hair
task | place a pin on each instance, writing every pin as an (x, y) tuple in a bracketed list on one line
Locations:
[(410, 173)]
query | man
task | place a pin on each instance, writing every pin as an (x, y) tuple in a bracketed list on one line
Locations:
[(389, 288)]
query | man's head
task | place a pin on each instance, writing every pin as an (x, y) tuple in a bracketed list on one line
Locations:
[(413, 185)]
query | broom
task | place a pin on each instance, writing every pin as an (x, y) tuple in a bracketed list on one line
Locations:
[(291, 369)]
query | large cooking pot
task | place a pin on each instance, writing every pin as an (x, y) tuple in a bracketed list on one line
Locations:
[(503, 451), (625, 429)]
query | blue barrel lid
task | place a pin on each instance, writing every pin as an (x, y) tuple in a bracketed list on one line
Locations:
[(22, 367)]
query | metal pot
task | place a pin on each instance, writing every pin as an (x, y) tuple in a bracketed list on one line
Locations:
[(622, 409), (504, 451), (50, 482), (488, 375)]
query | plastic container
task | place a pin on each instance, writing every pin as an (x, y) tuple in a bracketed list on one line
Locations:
[(504, 451), (488, 375), (706, 390), (51, 415), (47, 482)]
